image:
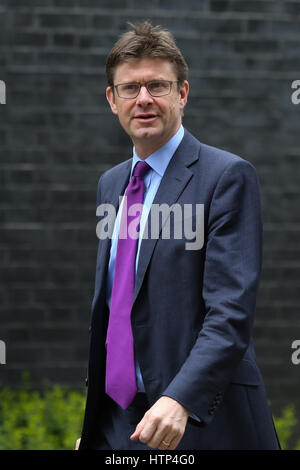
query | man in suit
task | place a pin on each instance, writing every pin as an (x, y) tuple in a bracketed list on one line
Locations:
[(172, 364)]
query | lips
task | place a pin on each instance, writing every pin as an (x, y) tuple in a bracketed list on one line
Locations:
[(145, 116)]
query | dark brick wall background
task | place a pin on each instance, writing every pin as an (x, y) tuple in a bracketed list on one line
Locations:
[(58, 135)]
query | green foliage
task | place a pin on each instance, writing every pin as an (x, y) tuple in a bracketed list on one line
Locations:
[(34, 420), (285, 425)]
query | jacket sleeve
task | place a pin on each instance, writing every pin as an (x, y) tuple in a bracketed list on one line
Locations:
[(230, 283)]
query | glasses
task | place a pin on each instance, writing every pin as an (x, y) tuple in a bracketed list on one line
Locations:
[(155, 88)]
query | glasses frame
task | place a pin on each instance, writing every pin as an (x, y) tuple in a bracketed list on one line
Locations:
[(146, 85)]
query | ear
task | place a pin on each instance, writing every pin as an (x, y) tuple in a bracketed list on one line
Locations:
[(183, 93), (110, 96)]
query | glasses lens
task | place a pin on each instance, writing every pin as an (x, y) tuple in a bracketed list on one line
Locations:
[(159, 88), (155, 88), (128, 90)]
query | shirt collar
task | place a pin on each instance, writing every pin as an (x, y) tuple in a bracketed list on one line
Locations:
[(160, 159)]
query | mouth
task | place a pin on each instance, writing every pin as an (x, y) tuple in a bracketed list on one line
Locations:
[(145, 117)]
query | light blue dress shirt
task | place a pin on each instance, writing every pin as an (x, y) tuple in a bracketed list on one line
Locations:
[(158, 161)]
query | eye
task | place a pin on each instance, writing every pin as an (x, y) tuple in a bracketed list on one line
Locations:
[(159, 86), (130, 87), (155, 86)]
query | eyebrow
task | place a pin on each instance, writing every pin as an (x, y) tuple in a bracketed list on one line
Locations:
[(146, 81)]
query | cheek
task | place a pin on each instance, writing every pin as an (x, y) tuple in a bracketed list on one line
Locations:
[(172, 108), (124, 113)]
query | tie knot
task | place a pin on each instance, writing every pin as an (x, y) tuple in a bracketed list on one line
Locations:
[(141, 168)]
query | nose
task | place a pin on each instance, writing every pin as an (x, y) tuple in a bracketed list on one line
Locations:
[(144, 96)]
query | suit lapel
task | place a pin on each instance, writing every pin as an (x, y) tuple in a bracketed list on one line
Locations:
[(175, 179), (119, 184), (117, 189)]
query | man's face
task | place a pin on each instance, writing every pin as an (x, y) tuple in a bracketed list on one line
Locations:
[(149, 121)]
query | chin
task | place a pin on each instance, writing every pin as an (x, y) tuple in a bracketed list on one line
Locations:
[(146, 133)]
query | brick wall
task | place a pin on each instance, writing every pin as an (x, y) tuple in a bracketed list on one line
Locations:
[(58, 135)]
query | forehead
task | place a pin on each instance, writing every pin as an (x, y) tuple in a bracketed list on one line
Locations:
[(138, 70)]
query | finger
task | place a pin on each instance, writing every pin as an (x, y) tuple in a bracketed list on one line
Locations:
[(136, 434), (164, 443), (170, 440), (166, 431), (163, 446), (166, 440), (174, 442), (148, 431), (163, 433), (140, 426)]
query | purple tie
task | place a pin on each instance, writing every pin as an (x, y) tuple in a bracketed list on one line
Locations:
[(120, 366)]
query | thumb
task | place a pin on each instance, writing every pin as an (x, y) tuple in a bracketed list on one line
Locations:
[(136, 434)]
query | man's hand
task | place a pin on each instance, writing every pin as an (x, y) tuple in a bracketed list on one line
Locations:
[(163, 425)]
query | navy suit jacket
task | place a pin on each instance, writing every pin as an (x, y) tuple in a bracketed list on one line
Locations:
[(192, 315)]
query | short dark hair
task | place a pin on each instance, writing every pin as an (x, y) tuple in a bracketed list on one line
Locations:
[(146, 40)]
